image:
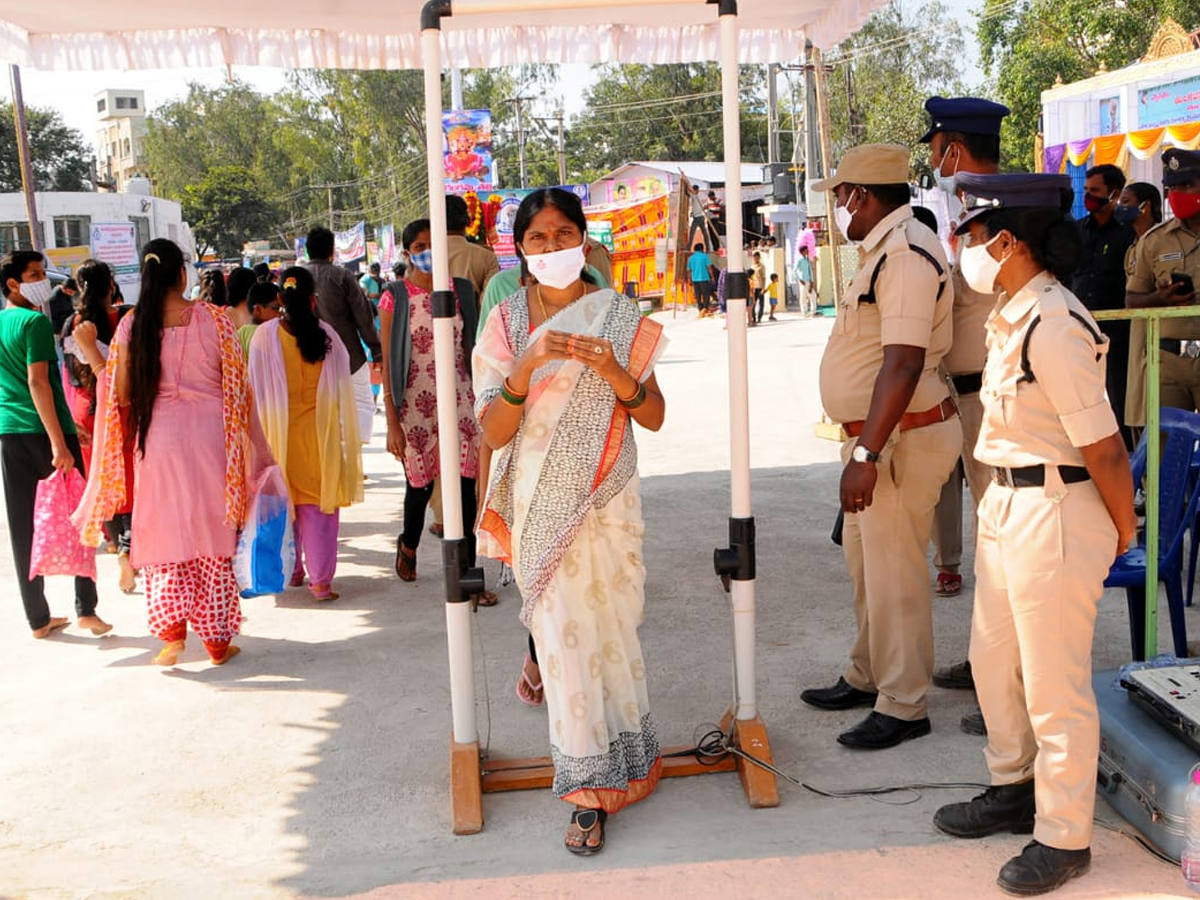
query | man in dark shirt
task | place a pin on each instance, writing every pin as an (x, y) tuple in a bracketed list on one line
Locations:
[(1100, 278), (61, 304), (342, 304)]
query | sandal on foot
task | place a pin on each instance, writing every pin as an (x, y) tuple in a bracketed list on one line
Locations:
[(323, 592), (949, 584), (169, 655), (230, 652), (406, 561), (587, 821), (437, 529), (533, 693), (297, 579), (486, 598)]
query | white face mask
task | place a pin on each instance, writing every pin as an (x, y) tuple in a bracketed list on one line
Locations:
[(558, 269), (37, 292), (844, 217), (979, 268), (948, 183)]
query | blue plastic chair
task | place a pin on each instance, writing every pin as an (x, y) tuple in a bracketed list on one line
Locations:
[(1193, 529), (1177, 498)]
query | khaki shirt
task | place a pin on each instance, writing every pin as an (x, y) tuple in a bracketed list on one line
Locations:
[(1166, 248), (968, 350), (472, 262), (907, 311), (1065, 407)]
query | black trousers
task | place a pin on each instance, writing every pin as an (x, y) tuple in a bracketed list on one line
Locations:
[(416, 501), (24, 461)]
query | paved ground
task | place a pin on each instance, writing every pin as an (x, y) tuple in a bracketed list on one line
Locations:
[(314, 765)]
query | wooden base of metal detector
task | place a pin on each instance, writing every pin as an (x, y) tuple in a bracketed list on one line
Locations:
[(466, 800), (469, 780), (750, 736)]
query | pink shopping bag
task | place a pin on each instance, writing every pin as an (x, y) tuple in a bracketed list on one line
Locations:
[(56, 546)]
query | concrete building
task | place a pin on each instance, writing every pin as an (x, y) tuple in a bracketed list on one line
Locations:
[(120, 137)]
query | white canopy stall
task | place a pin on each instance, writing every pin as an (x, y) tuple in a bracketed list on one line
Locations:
[(410, 34)]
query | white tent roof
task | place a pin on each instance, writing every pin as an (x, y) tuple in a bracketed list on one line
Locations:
[(365, 34)]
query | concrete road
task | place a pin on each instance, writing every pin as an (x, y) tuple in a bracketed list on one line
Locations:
[(315, 764)]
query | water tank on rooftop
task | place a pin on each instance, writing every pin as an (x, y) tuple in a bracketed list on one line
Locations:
[(138, 184)]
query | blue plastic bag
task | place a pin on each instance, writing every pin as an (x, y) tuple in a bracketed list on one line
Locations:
[(266, 547)]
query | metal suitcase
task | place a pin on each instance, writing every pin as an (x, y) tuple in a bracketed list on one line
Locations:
[(1145, 771)]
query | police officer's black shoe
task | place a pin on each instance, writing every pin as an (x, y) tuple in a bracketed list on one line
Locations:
[(956, 677), (972, 723), (840, 696), (1040, 869), (879, 731), (1002, 807)]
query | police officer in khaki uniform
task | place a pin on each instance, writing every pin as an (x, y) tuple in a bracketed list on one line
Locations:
[(1173, 249), (963, 136), (1058, 512), (880, 379)]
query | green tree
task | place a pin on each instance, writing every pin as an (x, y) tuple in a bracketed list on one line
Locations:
[(59, 157), (1026, 46), (882, 75), (226, 208), (671, 112)]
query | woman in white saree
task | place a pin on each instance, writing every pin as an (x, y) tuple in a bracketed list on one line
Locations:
[(561, 372)]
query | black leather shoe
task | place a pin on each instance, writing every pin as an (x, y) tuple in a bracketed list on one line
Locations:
[(840, 696), (879, 731), (972, 723), (1040, 869), (956, 677), (1002, 807)]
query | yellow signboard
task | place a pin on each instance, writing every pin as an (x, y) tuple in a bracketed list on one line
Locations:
[(65, 259)]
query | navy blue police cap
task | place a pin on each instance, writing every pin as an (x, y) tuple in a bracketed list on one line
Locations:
[(1180, 166), (982, 194), (970, 115)]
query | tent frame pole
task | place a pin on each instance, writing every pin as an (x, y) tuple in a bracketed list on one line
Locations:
[(735, 564)]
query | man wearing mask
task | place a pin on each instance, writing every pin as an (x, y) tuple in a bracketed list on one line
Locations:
[(1107, 234), (963, 137), (880, 380), (341, 303), (1166, 270)]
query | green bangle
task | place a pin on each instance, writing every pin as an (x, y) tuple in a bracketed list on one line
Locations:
[(636, 400), (509, 397)]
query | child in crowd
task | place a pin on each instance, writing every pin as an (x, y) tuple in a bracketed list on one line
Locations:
[(265, 305), (773, 295)]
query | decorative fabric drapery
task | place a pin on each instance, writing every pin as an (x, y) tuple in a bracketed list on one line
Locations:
[(1117, 148)]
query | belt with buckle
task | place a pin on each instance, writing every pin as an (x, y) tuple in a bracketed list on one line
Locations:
[(1184, 348), (1035, 476), (971, 383), (940, 413)]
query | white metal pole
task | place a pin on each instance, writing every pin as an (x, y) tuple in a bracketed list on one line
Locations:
[(741, 591), (458, 622)]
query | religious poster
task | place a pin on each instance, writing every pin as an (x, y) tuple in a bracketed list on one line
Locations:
[(467, 148), (1110, 116), (385, 236)]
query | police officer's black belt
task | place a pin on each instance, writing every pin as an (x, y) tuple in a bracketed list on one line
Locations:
[(1189, 349), (970, 383), (1035, 476)]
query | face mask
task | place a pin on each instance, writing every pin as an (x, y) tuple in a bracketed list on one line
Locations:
[(844, 217), (1126, 215), (947, 183), (1185, 206), (1092, 203), (37, 292), (979, 268), (558, 269), (423, 261)]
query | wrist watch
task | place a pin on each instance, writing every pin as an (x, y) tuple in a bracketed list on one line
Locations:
[(861, 454)]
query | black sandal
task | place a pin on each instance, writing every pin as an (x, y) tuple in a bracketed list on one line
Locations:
[(587, 821)]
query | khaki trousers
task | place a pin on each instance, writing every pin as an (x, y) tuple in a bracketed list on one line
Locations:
[(1040, 565), (885, 547), (1179, 380), (947, 517)]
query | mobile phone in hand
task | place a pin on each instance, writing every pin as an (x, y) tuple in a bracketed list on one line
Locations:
[(1183, 284)]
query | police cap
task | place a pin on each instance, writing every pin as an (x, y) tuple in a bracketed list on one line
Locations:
[(983, 194), (970, 115), (1180, 166), (869, 164)]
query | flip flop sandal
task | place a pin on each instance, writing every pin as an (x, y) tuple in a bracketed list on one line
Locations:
[(587, 820), (487, 598), (437, 529), (406, 561), (535, 689), (949, 584)]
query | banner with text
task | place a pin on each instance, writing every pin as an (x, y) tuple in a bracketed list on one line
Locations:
[(350, 245)]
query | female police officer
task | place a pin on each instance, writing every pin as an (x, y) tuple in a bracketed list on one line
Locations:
[(1059, 509)]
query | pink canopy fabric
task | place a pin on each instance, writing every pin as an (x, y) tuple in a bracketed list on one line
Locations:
[(364, 34)]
